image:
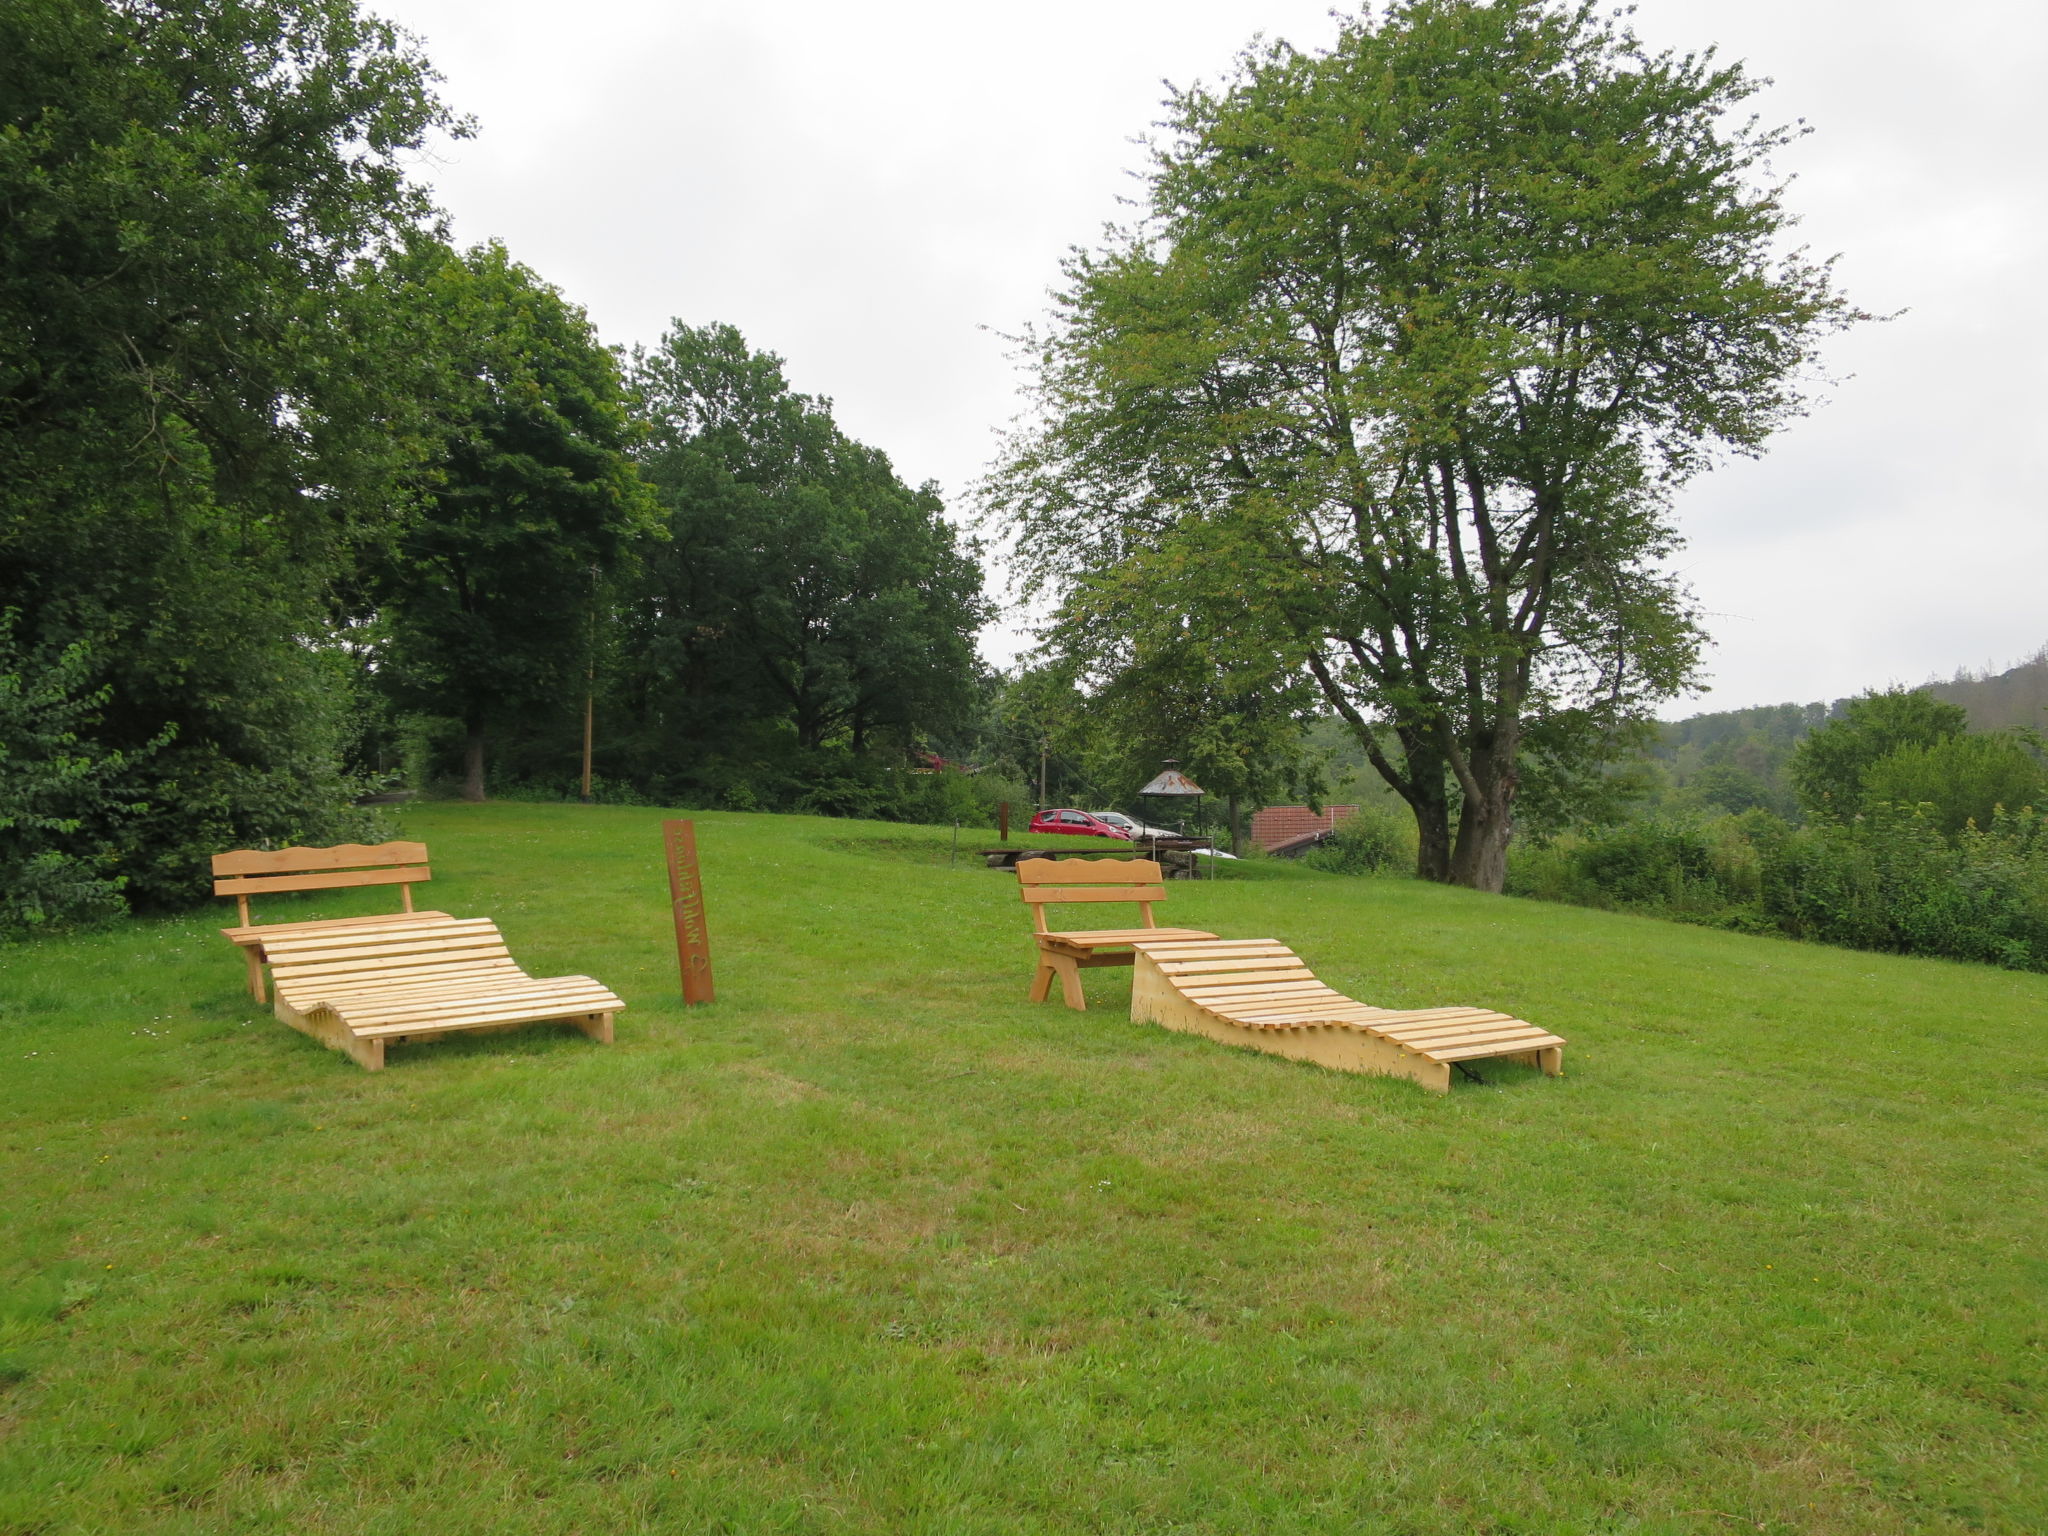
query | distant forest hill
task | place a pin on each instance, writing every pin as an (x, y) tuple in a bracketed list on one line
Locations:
[(1707, 752), (1733, 759)]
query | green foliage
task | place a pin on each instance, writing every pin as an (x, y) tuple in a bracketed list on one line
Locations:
[(1677, 868), (796, 582), (63, 797), (204, 404), (1828, 765), (491, 598), (1890, 880), (1389, 391), (1966, 778), (1370, 841)]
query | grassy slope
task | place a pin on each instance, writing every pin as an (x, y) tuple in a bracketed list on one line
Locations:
[(873, 1245)]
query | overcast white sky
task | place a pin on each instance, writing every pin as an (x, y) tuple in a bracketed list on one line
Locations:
[(873, 191)]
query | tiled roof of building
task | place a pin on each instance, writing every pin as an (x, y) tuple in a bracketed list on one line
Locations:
[(1278, 824)]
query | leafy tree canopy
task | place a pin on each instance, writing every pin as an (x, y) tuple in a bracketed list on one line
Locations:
[(202, 407), (798, 579), (1389, 389), (1966, 778), (1828, 764), (490, 598)]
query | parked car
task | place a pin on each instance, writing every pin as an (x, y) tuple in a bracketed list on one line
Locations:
[(1137, 830), (1132, 827), (1064, 823)]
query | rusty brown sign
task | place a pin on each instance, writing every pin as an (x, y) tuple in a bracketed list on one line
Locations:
[(686, 896)]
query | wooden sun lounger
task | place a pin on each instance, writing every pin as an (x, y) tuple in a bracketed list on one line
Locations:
[(248, 872), (1258, 993), (359, 990), (1043, 882)]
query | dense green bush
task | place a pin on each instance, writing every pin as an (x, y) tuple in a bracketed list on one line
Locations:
[(1681, 867), (1888, 879), (1370, 841), (63, 796)]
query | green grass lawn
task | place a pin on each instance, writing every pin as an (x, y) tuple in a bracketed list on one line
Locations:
[(874, 1245)]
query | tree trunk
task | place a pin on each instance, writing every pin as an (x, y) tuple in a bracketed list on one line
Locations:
[(1485, 824), (1432, 839), (1236, 842), (473, 763)]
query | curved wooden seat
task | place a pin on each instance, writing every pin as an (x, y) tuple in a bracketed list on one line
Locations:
[(359, 991), (1258, 993)]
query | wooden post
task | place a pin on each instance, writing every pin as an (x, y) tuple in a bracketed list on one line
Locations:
[(686, 897), (1003, 821), (589, 712)]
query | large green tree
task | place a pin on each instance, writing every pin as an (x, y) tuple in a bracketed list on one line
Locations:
[(490, 600), (1828, 764), (800, 581), (203, 404), (1394, 380)]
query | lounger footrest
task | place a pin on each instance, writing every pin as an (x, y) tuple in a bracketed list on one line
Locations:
[(1258, 993)]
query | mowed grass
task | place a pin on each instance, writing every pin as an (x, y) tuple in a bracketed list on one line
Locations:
[(874, 1245)]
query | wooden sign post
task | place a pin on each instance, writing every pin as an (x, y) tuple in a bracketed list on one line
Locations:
[(686, 896)]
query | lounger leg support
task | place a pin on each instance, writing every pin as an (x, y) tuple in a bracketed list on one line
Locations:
[(596, 1025), (255, 972)]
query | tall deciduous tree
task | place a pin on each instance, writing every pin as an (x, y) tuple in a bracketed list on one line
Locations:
[(1394, 382), (531, 499), (201, 409), (800, 579)]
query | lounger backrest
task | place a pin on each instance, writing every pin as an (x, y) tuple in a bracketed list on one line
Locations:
[(456, 950), (1042, 882), (249, 871)]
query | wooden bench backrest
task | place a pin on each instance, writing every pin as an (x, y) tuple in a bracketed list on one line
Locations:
[(1044, 881), (249, 871)]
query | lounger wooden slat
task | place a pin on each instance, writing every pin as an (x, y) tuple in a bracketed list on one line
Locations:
[(1205, 990), (1044, 882), (359, 993)]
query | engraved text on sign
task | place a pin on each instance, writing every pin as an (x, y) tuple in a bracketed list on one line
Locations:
[(686, 895)]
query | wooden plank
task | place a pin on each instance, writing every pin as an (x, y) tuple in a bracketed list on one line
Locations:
[(686, 901), (1042, 895), (345, 941), (1192, 958), (1498, 1048), (446, 1015), (260, 933), (1082, 871), (258, 861), (346, 880), (1222, 965), (1247, 978), (383, 959), (1479, 1036), (1111, 935)]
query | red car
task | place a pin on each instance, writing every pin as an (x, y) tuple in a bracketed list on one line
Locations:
[(1076, 824)]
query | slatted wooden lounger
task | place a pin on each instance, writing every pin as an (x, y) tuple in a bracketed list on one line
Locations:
[(249, 872), (360, 991), (1042, 882), (1258, 993)]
